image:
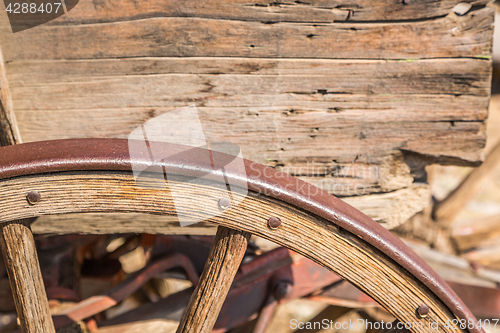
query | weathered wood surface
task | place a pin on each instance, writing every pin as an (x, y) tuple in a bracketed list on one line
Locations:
[(9, 131), (389, 209), (387, 283), (316, 11), (339, 93), (455, 269), (17, 243), (473, 234), (21, 260), (223, 262), (446, 210), (198, 37)]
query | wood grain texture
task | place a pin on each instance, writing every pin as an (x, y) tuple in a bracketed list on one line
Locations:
[(474, 233), (9, 131), (389, 209), (317, 11), (16, 240), (21, 259), (455, 269), (471, 36), (344, 253), (446, 210), (98, 223), (222, 264), (274, 109), (323, 89)]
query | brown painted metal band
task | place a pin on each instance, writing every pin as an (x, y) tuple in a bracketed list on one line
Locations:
[(113, 154)]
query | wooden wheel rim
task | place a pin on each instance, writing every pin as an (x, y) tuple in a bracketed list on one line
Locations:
[(317, 238)]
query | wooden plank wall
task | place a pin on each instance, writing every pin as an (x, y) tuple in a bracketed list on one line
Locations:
[(354, 96)]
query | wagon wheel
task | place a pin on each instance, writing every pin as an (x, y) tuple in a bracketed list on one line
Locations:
[(78, 176)]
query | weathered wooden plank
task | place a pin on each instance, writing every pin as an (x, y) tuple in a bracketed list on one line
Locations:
[(9, 131), (455, 76), (394, 208), (318, 11), (389, 209), (278, 135), (455, 269), (446, 37), (95, 223), (446, 210), (229, 76), (271, 106), (472, 234)]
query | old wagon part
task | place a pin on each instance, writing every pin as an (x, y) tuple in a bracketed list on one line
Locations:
[(33, 197), (97, 304), (249, 291), (423, 311), (252, 293), (307, 208), (21, 261), (273, 223), (225, 257), (266, 315), (252, 289)]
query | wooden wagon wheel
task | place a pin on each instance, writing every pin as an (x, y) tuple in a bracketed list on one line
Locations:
[(94, 175)]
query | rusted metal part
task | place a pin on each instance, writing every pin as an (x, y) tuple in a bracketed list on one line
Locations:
[(283, 290), (423, 311), (33, 197), (147, 243), (257, 281), (274, 223), (482, 301), (255, 286), (97, 304), (63, 294), (113, 154), (265, 315)]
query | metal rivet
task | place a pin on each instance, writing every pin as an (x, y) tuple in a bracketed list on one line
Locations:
[(422, 311), (283, 289), (274, 223), (224, 203), (406, 2), (33, 197)]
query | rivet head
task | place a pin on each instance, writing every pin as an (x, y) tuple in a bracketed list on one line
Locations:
[(274, 223), (224, 203), (33, 197), (423, 311), (406, 2), (283, 289)]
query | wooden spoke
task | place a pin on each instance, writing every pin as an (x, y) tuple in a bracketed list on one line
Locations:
[(21, 261), (225, 257)]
